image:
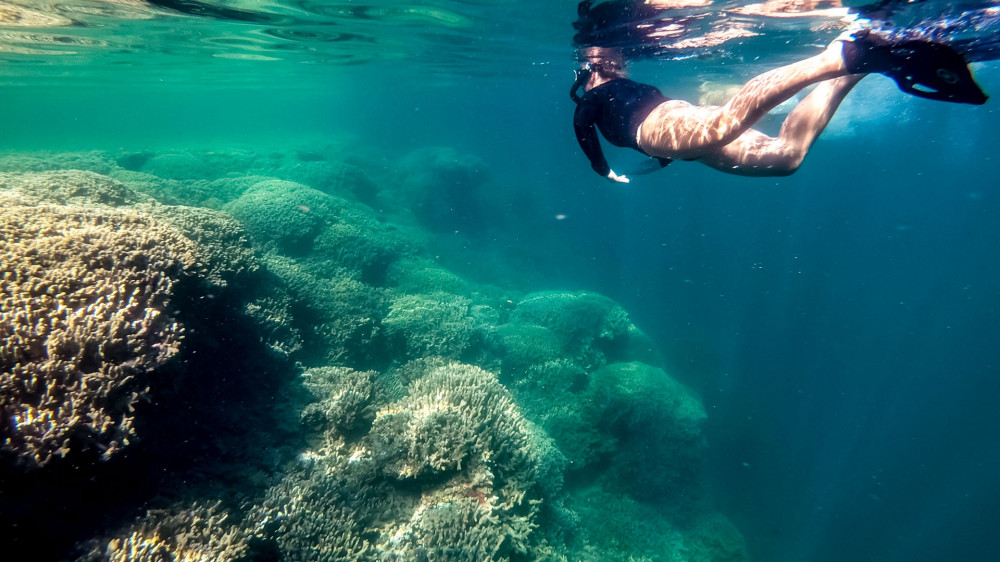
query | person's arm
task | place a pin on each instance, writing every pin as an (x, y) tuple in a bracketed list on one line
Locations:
[(586, 134), (584, 124)]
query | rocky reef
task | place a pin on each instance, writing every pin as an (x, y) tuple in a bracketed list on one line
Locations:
[(226, 355)]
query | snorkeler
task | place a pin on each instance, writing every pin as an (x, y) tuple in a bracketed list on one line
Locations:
[(639, 116)]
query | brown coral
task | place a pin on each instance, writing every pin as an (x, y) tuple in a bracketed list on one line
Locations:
[(83, 322), (181, 532)]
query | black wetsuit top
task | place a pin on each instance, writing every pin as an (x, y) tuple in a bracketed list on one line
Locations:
[(617, 108)]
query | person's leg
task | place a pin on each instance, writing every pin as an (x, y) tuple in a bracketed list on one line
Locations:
[(677, 129), (756, 154)]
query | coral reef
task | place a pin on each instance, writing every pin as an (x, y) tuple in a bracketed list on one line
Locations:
[(654, 421), (305, 353), (591, 328), (338, 318), (439, 324), (345, 400), (284, 214), (176, 166), (444, 189), (180, 532), (449, 472), (69, 187), (84, 321), (94, 161), (420, 275)]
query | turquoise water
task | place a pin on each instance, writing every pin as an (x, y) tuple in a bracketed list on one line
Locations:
[(806, 368)]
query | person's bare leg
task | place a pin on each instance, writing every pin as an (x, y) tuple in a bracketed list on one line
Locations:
[(756, 154), (677, 129)]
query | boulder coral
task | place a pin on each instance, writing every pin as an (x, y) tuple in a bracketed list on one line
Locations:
[(84, 320), (653, 421), (284, 214), (589, 326)]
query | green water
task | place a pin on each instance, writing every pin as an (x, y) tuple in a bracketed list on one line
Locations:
[(419, 327)]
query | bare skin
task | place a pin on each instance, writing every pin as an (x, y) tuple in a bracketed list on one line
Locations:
[(721, 136), (753, 153)]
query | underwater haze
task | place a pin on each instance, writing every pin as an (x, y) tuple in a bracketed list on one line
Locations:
[(306, 280)]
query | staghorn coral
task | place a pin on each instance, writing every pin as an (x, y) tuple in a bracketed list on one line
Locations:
[(83, 321)]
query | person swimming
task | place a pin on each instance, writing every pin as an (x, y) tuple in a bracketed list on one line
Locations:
[(638, 116)]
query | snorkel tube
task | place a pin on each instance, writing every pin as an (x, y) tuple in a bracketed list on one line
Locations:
[(582, 75)]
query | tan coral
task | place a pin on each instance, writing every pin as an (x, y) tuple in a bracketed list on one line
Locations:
[(84, 319), (195, 533)]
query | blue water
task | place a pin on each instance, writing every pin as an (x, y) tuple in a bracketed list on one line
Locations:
[(841, 325)]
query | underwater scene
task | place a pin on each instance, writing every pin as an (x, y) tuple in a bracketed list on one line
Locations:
[(298, 280)]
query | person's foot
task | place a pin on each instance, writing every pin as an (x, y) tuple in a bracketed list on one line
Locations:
[(921, 68)]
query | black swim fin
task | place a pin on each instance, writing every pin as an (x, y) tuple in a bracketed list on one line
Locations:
[(920, 68)]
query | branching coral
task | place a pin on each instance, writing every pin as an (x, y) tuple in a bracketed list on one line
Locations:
[(336, 315), (456, 416), (323, 510), (344, 399), (437, 324), (224, 251), (460, 530), (84, 320), (182, 533), (449, 472)]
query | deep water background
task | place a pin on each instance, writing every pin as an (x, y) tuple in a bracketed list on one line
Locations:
[(842, 324)]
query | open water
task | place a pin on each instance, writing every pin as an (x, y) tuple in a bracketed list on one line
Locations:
[(841, 325)]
